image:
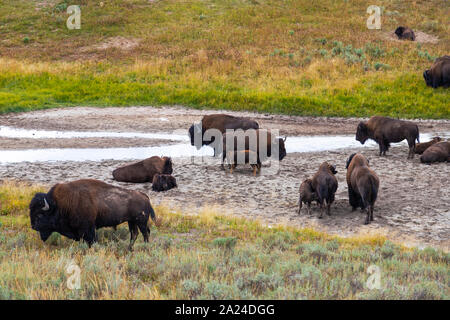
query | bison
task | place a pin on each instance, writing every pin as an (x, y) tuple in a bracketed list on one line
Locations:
[(405, 33), (325, 185), (221, 122), (76, 209), (247, 156), (163, 182), (254, 140), (143, 171), (307, 195), (421, 147), (439, 73), (385, 130), (363, 184), (438, 152)]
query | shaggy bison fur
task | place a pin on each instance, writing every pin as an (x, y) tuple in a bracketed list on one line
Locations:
[(76, 209), (386, 130), (405, 33), (421, 147), (439, 73), (363, 184), (143, 171), (325, 185), (163, 182), (307, 195), (438, 152)]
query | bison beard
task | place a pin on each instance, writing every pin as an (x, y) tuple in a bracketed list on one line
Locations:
[(163, 182), (386, 130), (76, 209), (363, 184)]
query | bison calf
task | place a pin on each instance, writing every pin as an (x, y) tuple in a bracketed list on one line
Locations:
[(143, 171), (243, 157), (307, 195), (325, 185), (439, 152), (163, 182), (76, 209), (385, 130), (363, 184), (421, 147)]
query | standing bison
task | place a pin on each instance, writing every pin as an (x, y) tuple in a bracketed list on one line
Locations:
[(439, 73), (325, 185), (220, 122), (143, 171), (405, 33), (76, 209), (306, 195), (363, 184), (439, 152), (385, 130)]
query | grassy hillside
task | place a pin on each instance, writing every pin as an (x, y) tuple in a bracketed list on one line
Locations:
[(208, 257), (295, 57)]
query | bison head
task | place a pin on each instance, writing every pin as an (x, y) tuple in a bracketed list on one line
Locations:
[(43, 215), (281, 148), (427, 77), (332, 168), (399, 31), (361, 133), (167, 165)]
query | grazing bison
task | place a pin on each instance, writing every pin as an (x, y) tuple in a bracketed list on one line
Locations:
[(421, 147), (385, 130), (143, 171), (307, 195), (405, 33), (263, 139), (363, 184), (221, 122), (325, 185), (163, 182), (76, 209), (247, 156), (439, 152), (439, 73)]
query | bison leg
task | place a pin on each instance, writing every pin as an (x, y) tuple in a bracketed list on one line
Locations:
[(368, 216), (309, 208), (322, 209), (133, 233), (299, 205), (90, 236), (371, 213), (329, 208), (353, 198), (144, 230)]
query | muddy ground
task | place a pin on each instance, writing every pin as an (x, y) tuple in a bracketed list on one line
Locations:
[(412, 207)]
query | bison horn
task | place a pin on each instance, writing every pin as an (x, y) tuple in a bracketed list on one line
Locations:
[(46, 206)]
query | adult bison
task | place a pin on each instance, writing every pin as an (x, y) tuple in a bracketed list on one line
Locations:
[(143, 171), (385, 130), (163, 182), (221, 122), (405, 33), (325, 184), (263, 142), (439, 152), (421, 147), (76, 209), (439, 73), (363, 184)]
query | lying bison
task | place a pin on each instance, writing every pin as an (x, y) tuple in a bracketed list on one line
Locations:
[(246, 156), (439, 73), (143, 171), (307, 195), (163, 182), (221, 122), (439, 152), (363, 184), (385, 130), (421, 147), (405, 33), (76, 209), (260, 141), (325, 185)]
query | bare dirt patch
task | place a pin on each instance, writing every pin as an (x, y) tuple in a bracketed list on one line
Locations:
[(421, 37)]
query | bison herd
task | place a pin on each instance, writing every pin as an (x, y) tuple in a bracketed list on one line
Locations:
[(77, 209)]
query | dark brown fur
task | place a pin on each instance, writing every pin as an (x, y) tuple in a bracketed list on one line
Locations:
[(248, 156), (363, 185), (439, 73), (421, 147), (221, 122), (405, 33), (76, 209), (385, 130), (143, 171), (438, 152), (307, 195), (325, 185), (163, 182)]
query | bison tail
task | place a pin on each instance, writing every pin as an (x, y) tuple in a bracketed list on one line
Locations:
[(150, 210), (417, 134)]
